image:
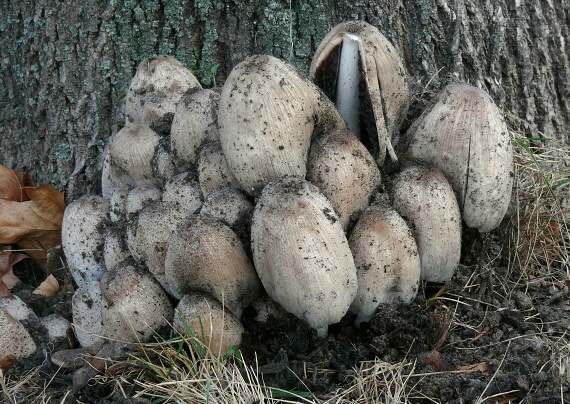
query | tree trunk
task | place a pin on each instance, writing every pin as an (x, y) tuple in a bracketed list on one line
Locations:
[(66, 66)]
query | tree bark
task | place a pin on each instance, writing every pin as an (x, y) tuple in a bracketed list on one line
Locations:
[(66, 66)]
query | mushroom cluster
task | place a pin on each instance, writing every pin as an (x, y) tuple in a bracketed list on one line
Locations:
[(213, 200)]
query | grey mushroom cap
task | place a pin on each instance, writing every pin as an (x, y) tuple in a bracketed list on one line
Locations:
[(267, 115), (87, 319), (158, 85), (134, 304), (205, 255), (465, 135), (218, 329), (83, 232), (195, 123), (301, 253), (383, 76), (345, 171), (424, 198), (387, 261), (213, 170)]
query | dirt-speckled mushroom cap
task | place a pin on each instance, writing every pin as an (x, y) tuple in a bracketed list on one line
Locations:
[(183, 191), (301, 253), (115, 249), (195, 123), (345, 171), (86, 311), (386, 258), (424, 198), (158, 85), (384, 103), (148, 233), (229, 206), (14, 338), (83, 237), (141, 196), (465, 135), (205, 255), (216, 328), (213, 170), (139, 157), (134, 304), (267, 115)]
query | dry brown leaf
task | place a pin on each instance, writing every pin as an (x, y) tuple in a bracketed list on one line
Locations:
[(49, 287), (12, 183), (482, 367), (35, 225), (8, 259), (6, 362)]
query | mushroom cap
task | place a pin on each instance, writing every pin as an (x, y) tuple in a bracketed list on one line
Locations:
[(216, 328), (267, 114), (134, 304), (183, 191), (14, 338), (384, 75), (87, 317), (195, 123), (465, 135), (424, 198), (148, 233), (140, 196), (345, 171), (301, 253), (158, 85), (83, 237), (229, 206), (205, 255), (138, 157), (386, 258), (213, 170)]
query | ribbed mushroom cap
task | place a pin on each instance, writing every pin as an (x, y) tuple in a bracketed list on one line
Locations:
[(205, 317), (158, 85), (87, 318), (14, 338), (134, 305), (301, 253), (229, 206), (141, 196), (138, 157), (205, 255), (213, 170), (344, 170), (267, 114), (387, 261), (195, 123), (384, 103), (424, 198), (83, 236), (183, 191), (465, 135), (148, 233)]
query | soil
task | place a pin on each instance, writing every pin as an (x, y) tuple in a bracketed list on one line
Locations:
[(481, 336)]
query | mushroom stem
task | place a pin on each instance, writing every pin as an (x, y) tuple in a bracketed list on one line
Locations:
[(348, 80)]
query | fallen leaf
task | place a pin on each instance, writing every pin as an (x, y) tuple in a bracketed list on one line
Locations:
[(7, 361), (12, 183), (35, 225), (8, 259), (482, 367), (49, 287)]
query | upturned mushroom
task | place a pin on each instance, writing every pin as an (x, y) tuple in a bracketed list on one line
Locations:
[(83, 232), (203, 317), (301, 253), (360, 70), (158, 85), (465, 135), (267, 115), (424, 198), (134, 304), (195, 123), (387, 261), (205, 255), (344, 170)]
